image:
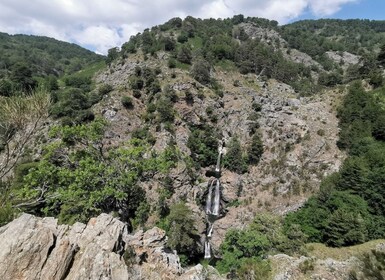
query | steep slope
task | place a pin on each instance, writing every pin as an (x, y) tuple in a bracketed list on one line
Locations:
[(191, 103), (299, 137), (44, 55)]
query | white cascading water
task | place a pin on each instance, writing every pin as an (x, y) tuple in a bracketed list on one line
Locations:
[(210, 231), (209, 199), (213, 204), (217, 198), (207, 250)]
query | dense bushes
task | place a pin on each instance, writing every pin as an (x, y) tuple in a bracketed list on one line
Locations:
[(248, 248), (183, 236), (77, 179), (203, 144), (235, 160), (350, 206)]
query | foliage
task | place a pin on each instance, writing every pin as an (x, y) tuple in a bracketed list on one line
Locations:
[(127, 102), (20, 118), (77, 178), (184, 55), (105, 89), (180, 228), (203, 144), (26, 57), (234, 159), (255, 150), (372, 266), (349, 208), (200, 71), (265, 235)]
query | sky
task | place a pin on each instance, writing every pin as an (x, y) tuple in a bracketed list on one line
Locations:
[(102, 24)]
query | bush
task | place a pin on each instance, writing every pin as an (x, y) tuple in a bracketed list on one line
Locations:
[(105, 88), (242, 249), (171, 63), (165, 109), (181, 230), (127, 102), (255, 150), (203, 144), (234, 159), (200, 71)]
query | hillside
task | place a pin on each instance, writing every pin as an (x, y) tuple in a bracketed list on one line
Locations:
[(25, 60), (243, 140)]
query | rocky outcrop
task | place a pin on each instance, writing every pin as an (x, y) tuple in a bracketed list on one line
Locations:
[(39, 248), (345, 59)]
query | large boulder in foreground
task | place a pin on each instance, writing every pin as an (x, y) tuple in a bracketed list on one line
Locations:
[(39, 248)]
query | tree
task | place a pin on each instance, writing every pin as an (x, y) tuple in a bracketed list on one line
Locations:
[(184, 54), (78, 177), (345, 228), (6, 87), (255, 150), (112, 54), (20, 118), (200, 71), (21, 75), (234, 159), (183, 236), (381, 56)]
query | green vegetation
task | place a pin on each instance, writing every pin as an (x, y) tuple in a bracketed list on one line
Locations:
[(235, 160), (24, 59), (244, 251), (77, 178), (349, 208), (183, 236), (203, 144)]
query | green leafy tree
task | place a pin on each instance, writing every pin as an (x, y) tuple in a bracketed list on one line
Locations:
[(203, 144), (78, 178), (200, 71), (184, 54), (234, 159), (255, 150), (183, 236), (21, 75)]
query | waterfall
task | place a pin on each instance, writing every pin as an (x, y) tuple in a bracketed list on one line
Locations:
[(213, 203), (209, 199), (210, 230), (213, 208), (218, 166), (217, 198), (207, 250)]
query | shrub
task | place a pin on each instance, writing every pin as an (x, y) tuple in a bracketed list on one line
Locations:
[(200, 71), (234, 159), (105, 88), (127, 102), (255, 150), (181, 230)]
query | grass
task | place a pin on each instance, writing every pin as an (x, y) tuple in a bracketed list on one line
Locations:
[(226, 65), (320, 251), (196, 42), (90, 70), (182, 66)]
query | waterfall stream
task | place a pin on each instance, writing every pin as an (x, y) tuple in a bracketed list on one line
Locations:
[(207, 250), (213, 204)]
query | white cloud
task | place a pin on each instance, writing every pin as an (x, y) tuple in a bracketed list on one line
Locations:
[(327, 7), (104, 24)]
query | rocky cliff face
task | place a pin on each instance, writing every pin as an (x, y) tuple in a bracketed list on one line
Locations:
[(299, 136), (39, 248)]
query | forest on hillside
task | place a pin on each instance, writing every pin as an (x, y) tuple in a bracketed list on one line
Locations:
[(78, 177)]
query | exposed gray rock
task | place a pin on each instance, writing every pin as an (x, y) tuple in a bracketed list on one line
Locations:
[(343, 58), (39, 248)]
